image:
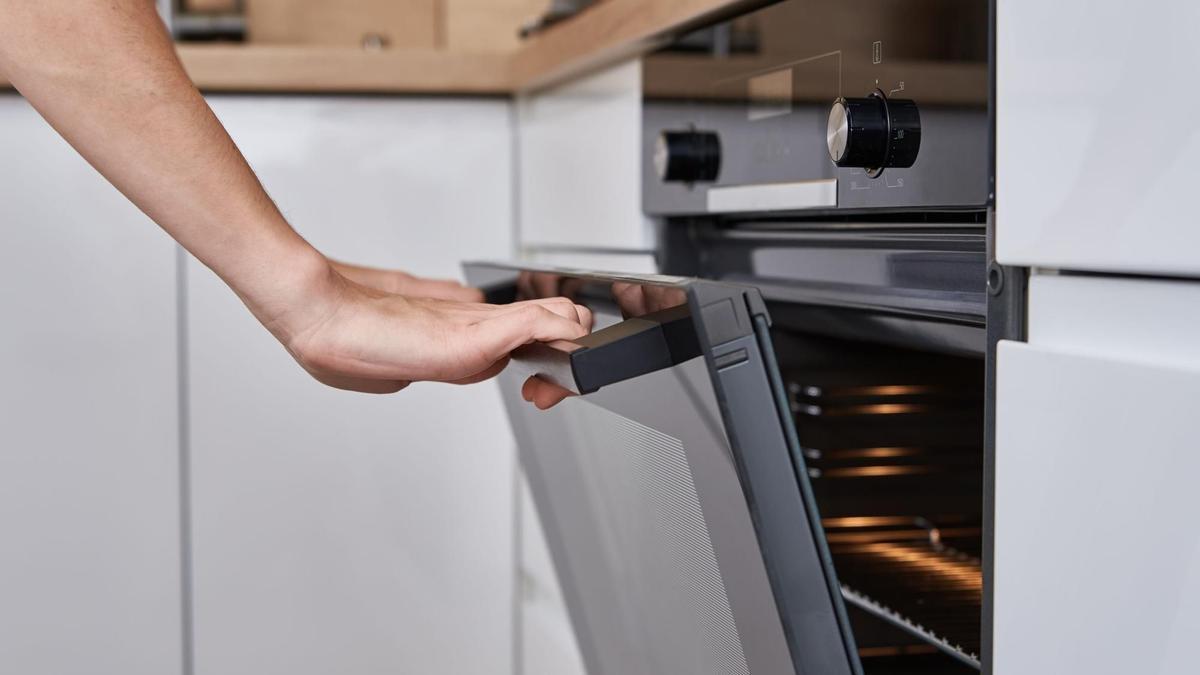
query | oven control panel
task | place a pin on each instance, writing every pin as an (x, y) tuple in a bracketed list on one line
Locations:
[(811, 106)]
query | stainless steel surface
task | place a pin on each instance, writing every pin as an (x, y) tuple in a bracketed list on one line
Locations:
[(197, 26), (879, 269), (808, 194), (837, 131), (660, 156)]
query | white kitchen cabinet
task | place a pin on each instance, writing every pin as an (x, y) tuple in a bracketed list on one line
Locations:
[(89, 452), (1095, 146), (1097, 567), (579, 158), (547, 639), (337, 532)]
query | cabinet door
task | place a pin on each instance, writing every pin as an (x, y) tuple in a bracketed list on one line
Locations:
[(89, 498), (580, 181), (339, 532), (1096, 565), (1095, 149)]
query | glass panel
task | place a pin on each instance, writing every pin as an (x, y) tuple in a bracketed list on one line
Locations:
[(610, 300)]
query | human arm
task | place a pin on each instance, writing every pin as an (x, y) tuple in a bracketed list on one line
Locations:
[(105, 75)]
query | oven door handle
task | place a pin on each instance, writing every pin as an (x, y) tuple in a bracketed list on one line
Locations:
[(620, 352)]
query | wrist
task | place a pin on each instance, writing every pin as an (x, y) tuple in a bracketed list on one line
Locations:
[(291, 290)]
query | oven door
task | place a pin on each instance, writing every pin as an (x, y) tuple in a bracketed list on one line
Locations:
[(675, 504)]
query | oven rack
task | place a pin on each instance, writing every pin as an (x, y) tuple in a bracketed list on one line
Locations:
[(903, 622)]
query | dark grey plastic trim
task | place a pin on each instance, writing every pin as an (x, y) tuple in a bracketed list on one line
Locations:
[(733, 320)]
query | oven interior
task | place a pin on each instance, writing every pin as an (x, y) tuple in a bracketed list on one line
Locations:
[(892, 438)]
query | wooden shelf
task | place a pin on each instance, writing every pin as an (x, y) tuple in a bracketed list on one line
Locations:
[(274, 68)]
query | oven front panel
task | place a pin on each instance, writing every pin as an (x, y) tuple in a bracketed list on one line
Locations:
[(746, 107)]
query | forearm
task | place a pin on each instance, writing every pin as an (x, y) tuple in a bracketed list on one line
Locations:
[(105, 75)]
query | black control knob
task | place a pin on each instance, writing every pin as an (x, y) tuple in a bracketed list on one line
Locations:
[(874, 133), (688, 156)]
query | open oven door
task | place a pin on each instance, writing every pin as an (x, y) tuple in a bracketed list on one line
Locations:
[(675, 504)]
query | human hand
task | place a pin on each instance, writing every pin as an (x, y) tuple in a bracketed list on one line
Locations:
[(633, 299), (353, 337), (403, 283), (531, 285)]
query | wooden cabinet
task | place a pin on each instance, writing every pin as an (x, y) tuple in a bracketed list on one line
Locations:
[(469, 26), (488, 25), (400, 24)]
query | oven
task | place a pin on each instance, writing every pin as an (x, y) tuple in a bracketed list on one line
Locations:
[(779, 458), (745, 486)]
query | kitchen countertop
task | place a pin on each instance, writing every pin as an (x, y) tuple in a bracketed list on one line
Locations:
[(604, 33)]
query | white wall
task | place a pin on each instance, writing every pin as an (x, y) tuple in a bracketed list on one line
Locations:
[(89, 508), (339, 532)]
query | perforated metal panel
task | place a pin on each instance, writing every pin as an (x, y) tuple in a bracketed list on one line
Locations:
[(649, 529), (655, 513)]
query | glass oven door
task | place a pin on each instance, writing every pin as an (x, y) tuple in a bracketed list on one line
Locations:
[(675, 503)]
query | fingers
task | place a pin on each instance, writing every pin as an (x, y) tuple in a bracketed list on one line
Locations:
[(563, 307), (586, 318), (403, 283), (443, 289), (543, 394), (501, 334)]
